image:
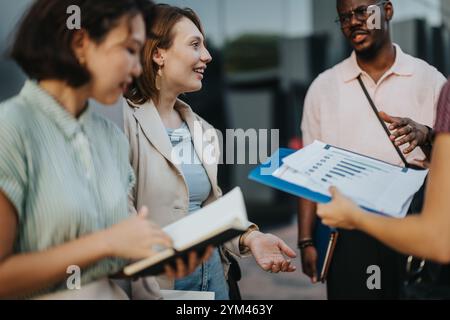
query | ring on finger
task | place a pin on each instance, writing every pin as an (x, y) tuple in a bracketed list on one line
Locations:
[(410, 128)]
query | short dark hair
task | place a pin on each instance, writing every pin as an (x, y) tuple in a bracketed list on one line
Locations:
[(42, 44)]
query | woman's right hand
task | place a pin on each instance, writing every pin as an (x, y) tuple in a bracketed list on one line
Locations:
[(135, 237), (341, 212), (183, 269)]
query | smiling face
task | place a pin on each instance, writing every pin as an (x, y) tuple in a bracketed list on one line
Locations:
[(114, 62), (361, 38), (184, 63)]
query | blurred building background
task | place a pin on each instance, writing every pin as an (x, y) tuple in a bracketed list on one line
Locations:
[(266, 54)]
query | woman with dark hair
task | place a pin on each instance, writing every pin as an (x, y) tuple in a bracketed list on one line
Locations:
[(172, 145), (64, 171)]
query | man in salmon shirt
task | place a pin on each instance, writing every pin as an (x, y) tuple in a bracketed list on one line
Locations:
[(337, 112)]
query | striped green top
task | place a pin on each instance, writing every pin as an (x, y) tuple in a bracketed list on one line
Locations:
[(67, 177)]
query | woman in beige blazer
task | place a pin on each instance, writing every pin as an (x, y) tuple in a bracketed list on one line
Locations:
[(174, 61)]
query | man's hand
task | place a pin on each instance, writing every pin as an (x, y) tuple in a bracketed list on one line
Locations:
[(309, 263), (405, 130)]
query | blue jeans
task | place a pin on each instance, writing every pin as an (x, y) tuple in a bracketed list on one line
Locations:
[(207, 277)]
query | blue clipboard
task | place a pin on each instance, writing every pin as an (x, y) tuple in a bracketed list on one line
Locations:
[(325, 238), (263, 175)]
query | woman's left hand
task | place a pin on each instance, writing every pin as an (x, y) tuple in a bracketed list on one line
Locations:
[(268, 251), (341, 212)]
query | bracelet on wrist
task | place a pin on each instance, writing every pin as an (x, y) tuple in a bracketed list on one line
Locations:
[(305, 243), (242, 245)]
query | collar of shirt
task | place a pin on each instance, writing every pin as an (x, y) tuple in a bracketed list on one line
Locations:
[(401, 67), (68, 124)]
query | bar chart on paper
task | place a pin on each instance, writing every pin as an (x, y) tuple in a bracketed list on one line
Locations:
[(371, 183)]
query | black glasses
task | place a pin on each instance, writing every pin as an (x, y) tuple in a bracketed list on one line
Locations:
[(361, 13)]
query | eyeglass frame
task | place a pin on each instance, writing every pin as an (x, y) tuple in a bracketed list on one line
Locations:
[(353, 13)]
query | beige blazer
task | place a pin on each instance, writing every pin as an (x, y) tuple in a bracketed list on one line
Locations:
[(160, 184)]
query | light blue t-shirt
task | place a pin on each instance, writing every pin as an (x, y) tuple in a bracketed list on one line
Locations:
[(210, 275), (193, 170)]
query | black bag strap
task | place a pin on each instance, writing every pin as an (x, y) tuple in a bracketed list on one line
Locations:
[(375, 110), (234, 275)]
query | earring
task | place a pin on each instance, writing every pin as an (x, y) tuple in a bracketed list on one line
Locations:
[(82, 61), (158, 78)]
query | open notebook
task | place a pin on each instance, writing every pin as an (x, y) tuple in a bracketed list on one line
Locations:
[(214, 224)]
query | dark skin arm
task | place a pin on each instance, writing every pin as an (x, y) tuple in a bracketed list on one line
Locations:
[(306, 222)]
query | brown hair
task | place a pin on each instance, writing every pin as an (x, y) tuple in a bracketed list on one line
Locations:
[(163, 19)]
